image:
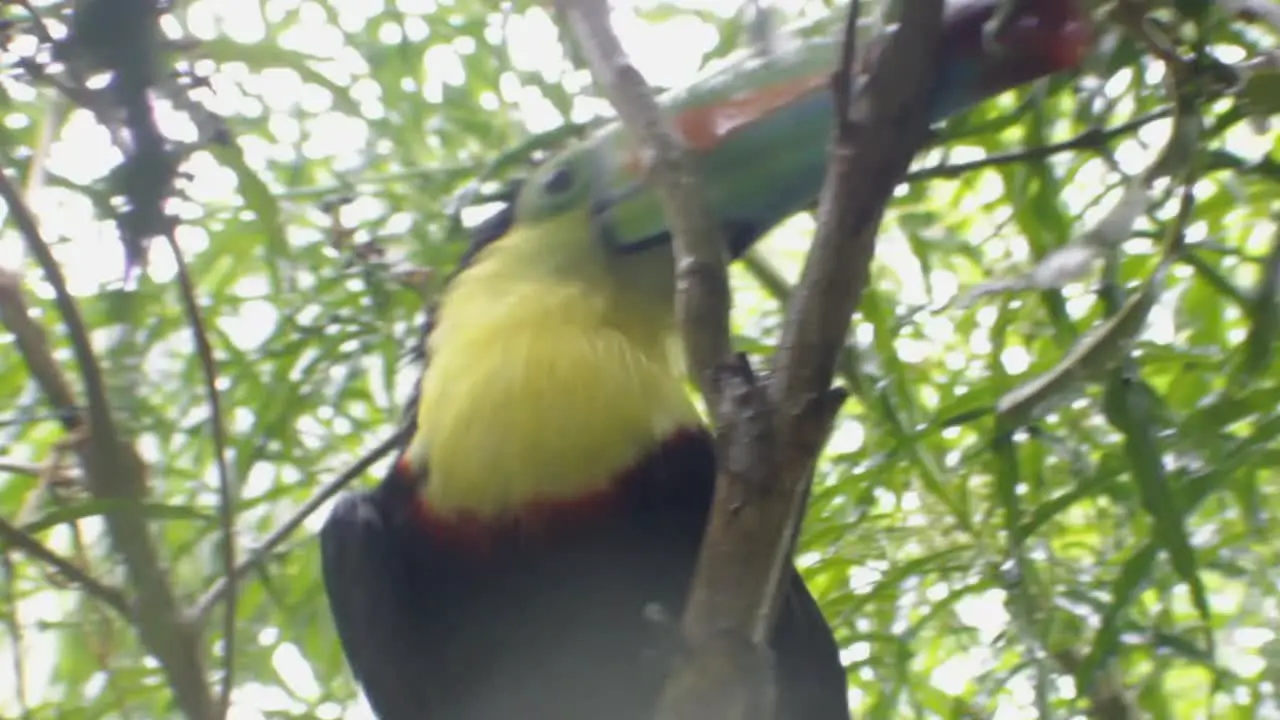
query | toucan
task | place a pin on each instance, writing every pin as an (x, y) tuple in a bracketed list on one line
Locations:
[(528, 554)]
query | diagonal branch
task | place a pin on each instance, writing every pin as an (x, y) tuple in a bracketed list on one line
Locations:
[(224, 585), (1092, 139), (218, 429), (33, 346), (112, 597), (114, 472)]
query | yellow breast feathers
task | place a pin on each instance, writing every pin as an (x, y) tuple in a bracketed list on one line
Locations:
[(547, 377)]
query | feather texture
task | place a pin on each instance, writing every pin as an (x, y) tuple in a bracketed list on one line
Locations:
[(579, 623), (549, 374)]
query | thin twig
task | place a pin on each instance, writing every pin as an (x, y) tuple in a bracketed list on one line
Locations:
[(91, 373), (114, 471), (226, 503), (215, 593), (843, 78), (77, 91), (21, 468), (37, 23), (17, 638), (93, 587), (33, 346), (52, 118), (1087, 140)]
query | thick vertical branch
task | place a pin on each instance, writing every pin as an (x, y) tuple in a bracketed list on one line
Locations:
[(877, 132), (114, 472), (226, 494), (877, 135), (728, 676), (749, 539), (875, 141), (769, 436)]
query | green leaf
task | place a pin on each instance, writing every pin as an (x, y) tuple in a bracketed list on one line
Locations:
[(1260, 93)]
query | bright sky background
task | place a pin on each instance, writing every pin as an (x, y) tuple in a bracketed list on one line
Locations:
[(667, 54)]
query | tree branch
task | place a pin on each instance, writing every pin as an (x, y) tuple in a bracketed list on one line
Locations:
[(769, 436), (226, 501), (112, 597), (201, 608), (17, 467), (702, 284), (1089, 140), (749, 543), (876, 137), (728, 676), (877, 134), (33, 345), (114, 472)]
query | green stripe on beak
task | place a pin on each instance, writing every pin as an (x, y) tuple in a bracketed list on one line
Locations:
[(758, 129)]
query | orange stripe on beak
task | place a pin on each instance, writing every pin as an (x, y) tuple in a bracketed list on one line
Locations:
[(704, 127)]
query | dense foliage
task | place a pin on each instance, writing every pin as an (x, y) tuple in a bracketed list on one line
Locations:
[(1108, 553)]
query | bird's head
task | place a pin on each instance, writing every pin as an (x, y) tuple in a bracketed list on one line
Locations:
[(553, 359), (758, 131)]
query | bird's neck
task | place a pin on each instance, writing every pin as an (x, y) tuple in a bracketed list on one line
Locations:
[(541, 391)]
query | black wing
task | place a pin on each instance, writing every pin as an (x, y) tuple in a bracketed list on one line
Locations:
[(369, 587), (812, 684)]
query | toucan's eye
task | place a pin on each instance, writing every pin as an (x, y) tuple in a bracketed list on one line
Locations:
[(560, 180), (556, 186)]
